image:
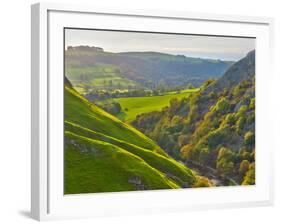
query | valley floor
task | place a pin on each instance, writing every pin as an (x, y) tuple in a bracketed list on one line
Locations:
[(133, 106)]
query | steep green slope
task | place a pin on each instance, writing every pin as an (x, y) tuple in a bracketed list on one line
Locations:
[(80, 111), (102, 167), (104, 154), (160, 162)]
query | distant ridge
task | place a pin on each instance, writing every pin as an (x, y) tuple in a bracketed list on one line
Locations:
[(85, 48), (141, 67), (241, 70)]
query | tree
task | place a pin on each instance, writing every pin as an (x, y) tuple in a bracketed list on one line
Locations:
[(249, 178), (112, 108), (182, 140), (174, 105), (225, 165), (214, 138), (202, 182), (252, 104), (244, 167), (186, 151), (240, 124), (225, 153), (242, 111), (229, 120), (249, 139), (203, 156), (222, 106), (155, 92), (208, 82), (211, 95)]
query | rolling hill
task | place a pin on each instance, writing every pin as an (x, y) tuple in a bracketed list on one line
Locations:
[(88, 67), (103, 154)]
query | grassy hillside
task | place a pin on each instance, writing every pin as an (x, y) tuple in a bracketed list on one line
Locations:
[(98, 76), (136, 68), (103, 154), (102, 167), (133, 106), (80, 111)]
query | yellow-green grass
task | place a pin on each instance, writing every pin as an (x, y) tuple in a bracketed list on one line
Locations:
[(80, 111), (95, 166), (102, 154), (97, 76), (133, 106), (163, 163)]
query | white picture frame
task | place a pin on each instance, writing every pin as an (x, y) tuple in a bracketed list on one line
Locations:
[(48, 201)]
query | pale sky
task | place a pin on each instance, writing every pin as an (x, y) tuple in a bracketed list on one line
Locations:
[(224, 48)]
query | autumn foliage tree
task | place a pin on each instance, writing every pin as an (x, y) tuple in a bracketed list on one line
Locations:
[(244, 167)]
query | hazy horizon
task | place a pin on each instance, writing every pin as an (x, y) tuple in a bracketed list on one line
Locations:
[(211, 47)]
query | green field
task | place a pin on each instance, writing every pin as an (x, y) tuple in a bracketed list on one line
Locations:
[(104, 154), (132, 106), (102, 76)]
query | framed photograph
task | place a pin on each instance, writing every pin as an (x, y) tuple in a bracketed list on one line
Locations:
[(148, 111)]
